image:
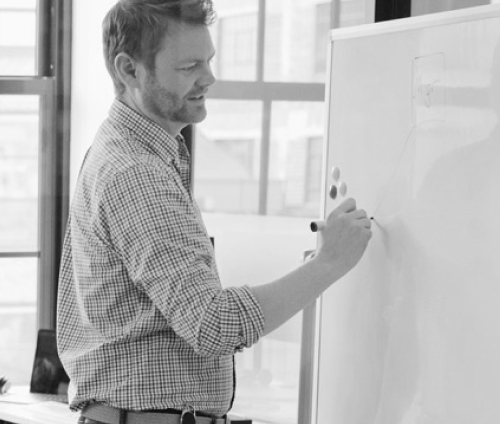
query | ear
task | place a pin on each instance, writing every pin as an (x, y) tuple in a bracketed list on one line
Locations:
[(126, 69)]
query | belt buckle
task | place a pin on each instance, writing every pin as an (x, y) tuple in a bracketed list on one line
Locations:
[(188, 415)]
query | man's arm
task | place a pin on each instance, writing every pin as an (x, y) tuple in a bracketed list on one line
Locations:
[(343, 242)]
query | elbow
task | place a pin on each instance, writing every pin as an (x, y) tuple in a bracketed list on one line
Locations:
[(211, 342), (226, 326), (219, 331)]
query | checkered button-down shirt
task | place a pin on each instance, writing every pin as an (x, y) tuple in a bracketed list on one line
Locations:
[(143, 322)]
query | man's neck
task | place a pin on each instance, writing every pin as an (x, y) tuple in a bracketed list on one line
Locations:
[(173, 128)]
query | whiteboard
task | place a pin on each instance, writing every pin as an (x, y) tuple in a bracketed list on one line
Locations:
[(412, 334)]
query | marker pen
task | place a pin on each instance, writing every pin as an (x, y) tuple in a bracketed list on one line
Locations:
[(319, 225)]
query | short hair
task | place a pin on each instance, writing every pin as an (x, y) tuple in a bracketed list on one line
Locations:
[(137, 27)]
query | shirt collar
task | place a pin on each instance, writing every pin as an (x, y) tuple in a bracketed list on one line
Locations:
[(148, 131)]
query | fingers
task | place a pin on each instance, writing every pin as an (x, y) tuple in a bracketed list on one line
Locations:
[(358, 214), (366, 223), (345, 235), (362, 216), (348, 208), (348, 205)]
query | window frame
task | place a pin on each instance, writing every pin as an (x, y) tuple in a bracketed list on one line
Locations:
[(52, 84)]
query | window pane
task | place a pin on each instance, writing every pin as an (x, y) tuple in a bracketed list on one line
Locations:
[(297, 34), (268, 377), (293, 29), (356, 12), (17, 37), (423, 7), (296, 158), (323, 17), (19, 173), (245, 247), (235, 39), (226, 162), (17, 318)]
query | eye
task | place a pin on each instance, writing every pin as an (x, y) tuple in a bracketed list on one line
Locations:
[(188, 68)]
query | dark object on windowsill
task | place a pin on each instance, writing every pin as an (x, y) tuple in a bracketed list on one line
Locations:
[(4, 385)]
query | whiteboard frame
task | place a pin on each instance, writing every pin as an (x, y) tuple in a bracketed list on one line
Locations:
[(415, 22)]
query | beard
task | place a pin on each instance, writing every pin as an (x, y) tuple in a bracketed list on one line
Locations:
[(170, 106)]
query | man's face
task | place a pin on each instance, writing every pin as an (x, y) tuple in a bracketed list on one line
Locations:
[(174, 94)]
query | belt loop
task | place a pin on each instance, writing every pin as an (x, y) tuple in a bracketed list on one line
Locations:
[(122, 416), (188, 415)]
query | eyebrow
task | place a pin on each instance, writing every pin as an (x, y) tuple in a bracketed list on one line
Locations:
[(196, 60)]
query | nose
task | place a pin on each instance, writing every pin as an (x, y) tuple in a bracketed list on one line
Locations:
[(207, 78)]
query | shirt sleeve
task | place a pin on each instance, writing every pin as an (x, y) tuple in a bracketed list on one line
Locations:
[(154, 227)]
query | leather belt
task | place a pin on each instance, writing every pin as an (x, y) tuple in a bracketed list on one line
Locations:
[(110, 415)]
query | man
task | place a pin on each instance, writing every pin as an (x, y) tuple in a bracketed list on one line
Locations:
[(145, 329)]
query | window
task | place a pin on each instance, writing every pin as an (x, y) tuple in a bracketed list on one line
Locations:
[(323, 18), (227, 159), (19, 193), (17, 37), (355, 12), (30, 177), (314, 161), (293, 125), (19, 201), (237, 54), (423, 7), (258, 171)]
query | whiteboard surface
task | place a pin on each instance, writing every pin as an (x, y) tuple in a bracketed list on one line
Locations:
[(412, 334)]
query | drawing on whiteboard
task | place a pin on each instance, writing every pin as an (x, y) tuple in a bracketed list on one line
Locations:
[(428, 106), (428, 89), (401, 165)]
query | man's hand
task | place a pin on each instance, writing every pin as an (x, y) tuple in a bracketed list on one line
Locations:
[(344, 238)]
